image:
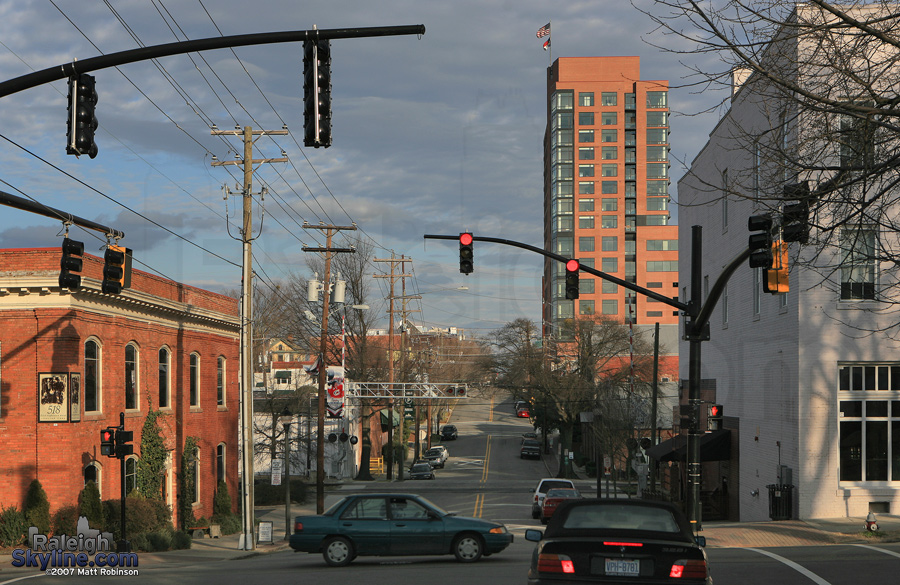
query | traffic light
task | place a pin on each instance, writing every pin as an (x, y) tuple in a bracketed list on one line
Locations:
[(466, 253), (317, 93), (775, 278), (123, 440), (71, 262), (461, 391), (760, 243), (116, 269), (714, 417), (795, 216), (82, 120), (108, 441), (572, 267)]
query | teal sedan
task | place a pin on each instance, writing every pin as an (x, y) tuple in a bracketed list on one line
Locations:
[(395, 525)]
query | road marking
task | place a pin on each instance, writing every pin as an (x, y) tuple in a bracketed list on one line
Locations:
[(20, 578), (800, 569), (479, 506), (885, 551), (487, 458)]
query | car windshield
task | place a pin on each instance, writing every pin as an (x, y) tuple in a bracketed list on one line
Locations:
[(531, 443), (433, 506), (550, 484), (563, 493), (433, 452), (421, 467), (449, 429), (618, 517)]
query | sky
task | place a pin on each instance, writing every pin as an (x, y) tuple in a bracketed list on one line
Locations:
[(435, 134)]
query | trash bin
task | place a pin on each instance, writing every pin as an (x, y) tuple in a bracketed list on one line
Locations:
[(780, 501)]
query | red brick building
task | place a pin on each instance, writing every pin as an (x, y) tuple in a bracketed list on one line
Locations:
[(71, 362)]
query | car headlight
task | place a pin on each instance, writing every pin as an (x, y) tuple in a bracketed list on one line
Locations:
[(499, 530)]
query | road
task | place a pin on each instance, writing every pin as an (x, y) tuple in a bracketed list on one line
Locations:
[(485, 477)]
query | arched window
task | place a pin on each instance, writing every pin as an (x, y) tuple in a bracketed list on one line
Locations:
[(131, 377), (220, 381), (195, 497), (163, 378), (195, 379), (130, 474), (91, 381), (92, 473)]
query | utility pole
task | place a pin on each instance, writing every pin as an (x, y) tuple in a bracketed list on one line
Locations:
[(394, 261), (248, 542), (323, 366)]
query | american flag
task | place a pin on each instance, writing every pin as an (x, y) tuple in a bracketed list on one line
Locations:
[(543, 31)]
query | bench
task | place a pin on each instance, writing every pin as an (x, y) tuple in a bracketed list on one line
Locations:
[(214, 531)]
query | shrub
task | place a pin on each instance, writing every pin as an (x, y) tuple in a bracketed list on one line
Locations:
[(181, 540), (142, 515), (228, 523), (89, 505), (160, 540), (37, 507), (65, 521), (13, 526), (265, 494), (222, 501)]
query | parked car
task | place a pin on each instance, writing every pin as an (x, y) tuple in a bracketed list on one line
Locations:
[(530, 448), (395, 524), (614, 541), (541, 490), (523, 413), (449, 433), (437, 456), (529, 435), (421, 470), (553, 499), (519, 404)]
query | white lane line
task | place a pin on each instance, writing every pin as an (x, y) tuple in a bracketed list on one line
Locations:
[(881, 550), (21, 578), (800, 569)]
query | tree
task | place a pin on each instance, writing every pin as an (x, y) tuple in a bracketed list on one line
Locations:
[(37, 507), (822, 76), (89, 505), (151, 467)]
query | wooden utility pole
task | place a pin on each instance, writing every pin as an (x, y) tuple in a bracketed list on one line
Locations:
[(247, 540), (393, 276), (323, 366)]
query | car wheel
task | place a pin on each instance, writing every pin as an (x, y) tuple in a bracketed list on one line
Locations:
[(535, 513), (468, 548), (338, 551), (543, 520)]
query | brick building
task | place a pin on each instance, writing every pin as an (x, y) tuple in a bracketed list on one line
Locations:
[(71, 362)]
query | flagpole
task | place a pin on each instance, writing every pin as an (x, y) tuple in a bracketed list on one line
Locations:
[(550, 50)]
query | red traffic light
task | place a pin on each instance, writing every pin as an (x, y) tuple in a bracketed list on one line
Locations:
[(466, 239), (572, 265), (714, 410)]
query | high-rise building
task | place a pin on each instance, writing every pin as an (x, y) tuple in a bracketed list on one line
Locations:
[(606, 192)]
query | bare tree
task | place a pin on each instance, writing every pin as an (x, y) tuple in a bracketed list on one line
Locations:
[(822, 79)]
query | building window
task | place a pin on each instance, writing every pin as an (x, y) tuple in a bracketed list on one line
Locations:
[(657, 136), (609, 204), (661, 245), (586, 244), (586, 153), (131, 381), (195, 496), (609, 187), (194, 375), (220, 462), (858, 263), (607, 135), (662, 266), (609, 265), (656, 220), (91, 381), (565, 223), (657, 154), (92, 473), (586, 118), (657, 188), (586, 285), (609, 118), (657, 203), (857, 142), (609, 222), (608, 98), (609, 152), (609, 243), (657, 171), (657, 99), (585, 136), (586, 170), (610, 306), (869, 423), (611, 170), (586, 222), (757, 294), (657, 119), (586, 307), (163, 378), (130, 474), (609, 287), (585, 205), (585, 99), (220, 381), (586, 187)]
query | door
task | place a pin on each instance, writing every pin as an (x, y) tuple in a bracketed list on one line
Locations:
[(366, 523), (413, 530)]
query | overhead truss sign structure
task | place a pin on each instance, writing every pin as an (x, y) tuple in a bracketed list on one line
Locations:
[(411, 391)]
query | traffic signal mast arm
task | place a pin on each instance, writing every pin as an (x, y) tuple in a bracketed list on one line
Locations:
[(647, 292), (34, 207)]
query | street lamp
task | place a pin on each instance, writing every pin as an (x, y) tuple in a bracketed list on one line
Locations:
[(285, 419)]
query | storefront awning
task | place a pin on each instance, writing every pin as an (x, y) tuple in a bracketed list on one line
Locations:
[(714, 446), (282, 375)]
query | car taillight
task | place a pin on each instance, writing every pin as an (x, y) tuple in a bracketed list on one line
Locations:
[(688, 569), (548, 563), (609, 543), (298, 526)]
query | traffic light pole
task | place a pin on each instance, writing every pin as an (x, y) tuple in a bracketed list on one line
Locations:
[(696, 331)]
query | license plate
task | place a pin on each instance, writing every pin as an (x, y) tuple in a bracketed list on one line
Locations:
[(623, 567)]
